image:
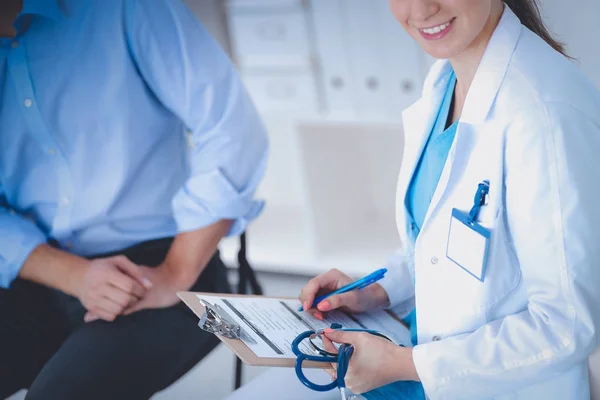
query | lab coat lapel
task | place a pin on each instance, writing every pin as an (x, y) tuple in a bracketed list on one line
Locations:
[(480, 99), (418, 121), (492, 69)]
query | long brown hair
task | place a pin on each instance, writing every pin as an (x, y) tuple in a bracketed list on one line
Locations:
[(528, 12)]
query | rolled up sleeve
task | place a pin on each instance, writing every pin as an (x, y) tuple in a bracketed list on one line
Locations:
[(18, 238), (192, 76)]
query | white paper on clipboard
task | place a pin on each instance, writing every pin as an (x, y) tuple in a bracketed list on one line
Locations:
[(273, 323)]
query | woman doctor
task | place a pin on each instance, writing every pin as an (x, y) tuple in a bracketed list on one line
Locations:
[(498, 211)]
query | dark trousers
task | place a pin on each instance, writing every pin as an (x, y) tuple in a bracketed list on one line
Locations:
[(46, 347)]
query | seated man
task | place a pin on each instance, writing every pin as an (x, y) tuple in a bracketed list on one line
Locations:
[(107, 208)]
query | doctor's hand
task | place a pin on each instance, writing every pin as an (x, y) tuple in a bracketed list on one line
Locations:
[(108, 286), (372, 296), (375, 362)]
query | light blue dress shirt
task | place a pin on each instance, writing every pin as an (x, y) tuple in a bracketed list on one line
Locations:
[(427, 174), (120, 122)]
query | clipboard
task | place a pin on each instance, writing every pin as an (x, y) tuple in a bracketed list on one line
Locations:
[(191, 300)]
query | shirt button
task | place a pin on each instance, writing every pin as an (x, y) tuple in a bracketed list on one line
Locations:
[(436, 338), (51, 151), (434, 260), (28, 103), (15, 44), (64, 201)]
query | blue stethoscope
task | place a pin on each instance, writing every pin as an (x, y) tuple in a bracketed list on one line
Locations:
[(342, 358)]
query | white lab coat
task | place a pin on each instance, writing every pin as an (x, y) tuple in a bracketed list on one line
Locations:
[(531, 126)]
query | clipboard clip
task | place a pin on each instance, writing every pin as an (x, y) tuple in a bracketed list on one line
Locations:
[(216, 321)]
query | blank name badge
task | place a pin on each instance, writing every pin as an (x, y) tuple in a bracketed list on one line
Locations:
[(468, 244)]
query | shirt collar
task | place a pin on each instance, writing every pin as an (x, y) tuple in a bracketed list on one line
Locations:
[(45, 8)]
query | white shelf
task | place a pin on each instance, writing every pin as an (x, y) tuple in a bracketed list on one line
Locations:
[(348, 118), (344, 213), (332, 100), (280, 241)]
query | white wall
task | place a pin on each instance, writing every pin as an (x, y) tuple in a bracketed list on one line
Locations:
[(576, 23)]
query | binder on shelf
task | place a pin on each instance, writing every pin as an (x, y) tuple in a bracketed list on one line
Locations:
[(332, 47), (405, 62), (367, 48)]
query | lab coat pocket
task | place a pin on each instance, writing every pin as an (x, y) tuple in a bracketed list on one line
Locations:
[(501, 273), (487, 216)]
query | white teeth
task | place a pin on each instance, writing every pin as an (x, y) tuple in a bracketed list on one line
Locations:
[(436, 29)]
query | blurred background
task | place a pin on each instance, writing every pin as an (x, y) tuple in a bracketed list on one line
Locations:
[(331, 78)]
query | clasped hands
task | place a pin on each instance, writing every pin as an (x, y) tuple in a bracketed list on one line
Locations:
[(114, 286)]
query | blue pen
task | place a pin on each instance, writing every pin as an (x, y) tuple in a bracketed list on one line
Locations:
[(358, 284)]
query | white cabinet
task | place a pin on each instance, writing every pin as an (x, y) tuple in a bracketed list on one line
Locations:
[(367, 44), (330, 191), (406, 63), (270, 39), (282, 91), (575, 23), (369, 68), (237, 5), (271, 47), (331, 45), (330, 78), (351, 171)]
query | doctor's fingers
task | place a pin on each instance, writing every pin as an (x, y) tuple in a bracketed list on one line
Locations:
[(331, 372), (317, 314), (321, 284), (356, 339), (328, 345), (349, 300)]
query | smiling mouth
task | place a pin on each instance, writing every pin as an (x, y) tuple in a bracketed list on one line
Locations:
[(436, 29)]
